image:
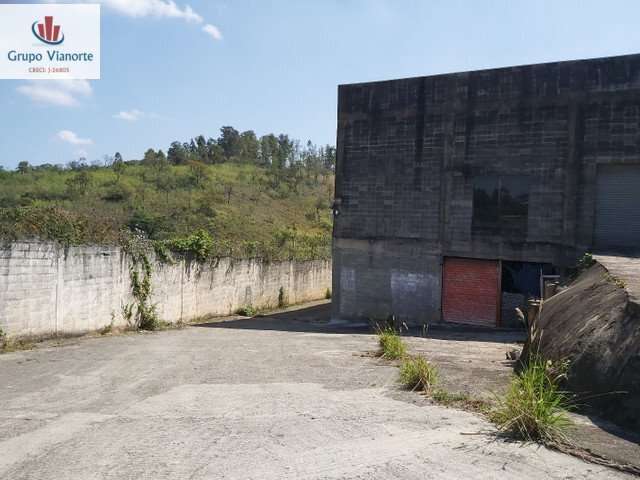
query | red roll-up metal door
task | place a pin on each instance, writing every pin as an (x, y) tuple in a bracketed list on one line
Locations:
[(470, 291)]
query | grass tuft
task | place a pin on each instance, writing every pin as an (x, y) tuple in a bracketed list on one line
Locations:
[(418, 374), (534, 407), (444, 397), (460, 400), (392, 346), (247, 311), (8, 345), (107, 329)]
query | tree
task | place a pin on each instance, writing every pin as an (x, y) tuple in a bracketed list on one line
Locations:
[(312, 160), (329, 158), (149, 157), (295, 175), (249, 147), (268, 149), (215, 153), (229, 140), (165, 182), (79, 164), (201, 149), (161, 158), (118, 166), (198, 173), (177, 154), (23, 167), (78, 184), (285, 151)]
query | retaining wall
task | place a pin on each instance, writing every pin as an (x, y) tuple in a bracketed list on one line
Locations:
[(48, 289)]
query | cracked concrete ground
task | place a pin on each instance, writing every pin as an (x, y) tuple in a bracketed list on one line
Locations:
[(246, 399)]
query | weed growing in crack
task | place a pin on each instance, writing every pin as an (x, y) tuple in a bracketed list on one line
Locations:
[(417, 373), (391, 344), (534, 407)]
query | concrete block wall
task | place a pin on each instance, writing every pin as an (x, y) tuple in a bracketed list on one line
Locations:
[(46, 289), (408, 152), (188, 291), (377, 279)]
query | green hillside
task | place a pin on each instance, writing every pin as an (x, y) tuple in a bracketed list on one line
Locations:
[(203, 203)]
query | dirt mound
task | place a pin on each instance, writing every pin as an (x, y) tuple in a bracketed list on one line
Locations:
[(595, 325)]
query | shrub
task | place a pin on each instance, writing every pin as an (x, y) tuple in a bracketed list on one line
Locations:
[(292, 244), (198, 246), (148, 318), (585, 262), (418, 374), (117, 193), (145, 222), (246, 311), (391, 344), (534, 408), (162, 252), (51, 223)]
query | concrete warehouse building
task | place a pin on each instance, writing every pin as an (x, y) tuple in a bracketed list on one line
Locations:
[(455, 192)]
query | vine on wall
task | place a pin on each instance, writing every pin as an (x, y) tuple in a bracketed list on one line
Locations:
[(141, 314)]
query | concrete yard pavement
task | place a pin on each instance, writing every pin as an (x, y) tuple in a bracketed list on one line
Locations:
[(246, 399)]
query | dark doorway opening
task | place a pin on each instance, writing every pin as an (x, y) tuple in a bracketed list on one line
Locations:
[(520, 282)]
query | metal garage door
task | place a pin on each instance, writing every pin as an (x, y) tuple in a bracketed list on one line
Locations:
[(617, 207), (470, 291)]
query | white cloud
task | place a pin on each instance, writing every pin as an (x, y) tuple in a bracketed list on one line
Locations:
[(213, 31), (154, 8), (134, 115), (129, 115), (72, 138), (81, 87), (44, 94), (64, 93)]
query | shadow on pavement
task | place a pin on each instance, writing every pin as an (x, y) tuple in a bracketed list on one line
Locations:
[(317, 319), (314, 319)]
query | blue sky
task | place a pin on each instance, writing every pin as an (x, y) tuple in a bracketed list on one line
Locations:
[(275, 65)]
